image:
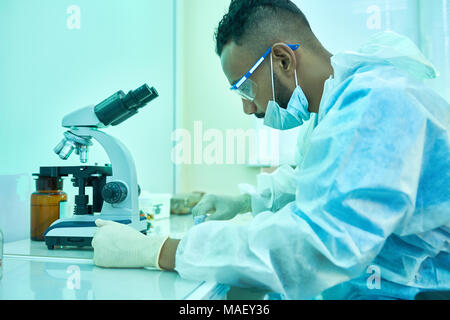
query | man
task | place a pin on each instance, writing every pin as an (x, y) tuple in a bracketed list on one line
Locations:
[(366, 214)]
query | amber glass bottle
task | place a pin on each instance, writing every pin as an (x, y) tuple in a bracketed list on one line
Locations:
[(46, 205)]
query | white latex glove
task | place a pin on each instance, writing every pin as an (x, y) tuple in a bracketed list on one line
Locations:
[(222, 207), (120, 246)]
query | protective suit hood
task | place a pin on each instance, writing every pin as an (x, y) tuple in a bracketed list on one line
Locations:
[(385, 47)]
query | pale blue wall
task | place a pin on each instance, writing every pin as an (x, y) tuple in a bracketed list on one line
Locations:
[(48, 71), (346, 24), (435, 40)]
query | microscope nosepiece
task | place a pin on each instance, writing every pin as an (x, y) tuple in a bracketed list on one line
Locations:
[(72, 142)]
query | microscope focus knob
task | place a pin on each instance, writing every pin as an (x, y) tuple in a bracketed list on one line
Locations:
[(114, 192)]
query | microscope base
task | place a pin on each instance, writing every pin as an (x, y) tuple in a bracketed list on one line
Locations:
[(79, 233), (52, 242)]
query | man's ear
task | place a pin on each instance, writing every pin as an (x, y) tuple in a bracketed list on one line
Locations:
[(284, 57)]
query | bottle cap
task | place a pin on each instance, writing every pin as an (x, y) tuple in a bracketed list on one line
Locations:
[(48, 183)]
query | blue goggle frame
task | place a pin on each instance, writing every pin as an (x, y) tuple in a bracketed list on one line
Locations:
[(239, 83)]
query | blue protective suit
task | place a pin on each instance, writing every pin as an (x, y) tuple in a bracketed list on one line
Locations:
[(372, 193)]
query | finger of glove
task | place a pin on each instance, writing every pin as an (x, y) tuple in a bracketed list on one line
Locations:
[(202, 208), (109, 242), (101, 223), (97, 241), (106, 232), (220, 215), (100, 234)]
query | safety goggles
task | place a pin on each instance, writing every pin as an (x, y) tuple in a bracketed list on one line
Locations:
[(245, 87)]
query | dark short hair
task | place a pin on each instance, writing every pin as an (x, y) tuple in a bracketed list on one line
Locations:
[(261, 21)]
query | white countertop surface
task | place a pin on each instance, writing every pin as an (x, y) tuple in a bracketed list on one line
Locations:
[(32, 272)]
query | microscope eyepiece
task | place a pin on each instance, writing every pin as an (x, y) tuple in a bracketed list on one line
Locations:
[(145, 94), (120, 107)]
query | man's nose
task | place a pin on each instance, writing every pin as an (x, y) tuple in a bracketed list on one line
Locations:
[(249, 107)]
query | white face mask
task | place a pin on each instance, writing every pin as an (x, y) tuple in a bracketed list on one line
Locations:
[(296, 113)]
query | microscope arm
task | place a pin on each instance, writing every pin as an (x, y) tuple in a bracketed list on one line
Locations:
[(85, 116), (124, 169)]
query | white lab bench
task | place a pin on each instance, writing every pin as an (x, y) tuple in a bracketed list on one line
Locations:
[(32, 272)]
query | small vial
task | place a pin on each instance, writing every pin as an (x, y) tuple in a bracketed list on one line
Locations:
[(200, 219)]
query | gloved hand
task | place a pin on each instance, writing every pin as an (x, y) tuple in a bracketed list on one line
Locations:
[(120, 246), (222, 207)]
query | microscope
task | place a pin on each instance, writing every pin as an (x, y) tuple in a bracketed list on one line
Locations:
[(115, 186)]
